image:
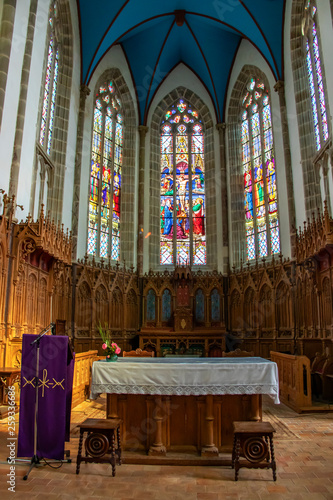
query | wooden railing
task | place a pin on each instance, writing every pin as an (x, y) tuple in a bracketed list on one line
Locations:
[(82, 376), (294, 380)]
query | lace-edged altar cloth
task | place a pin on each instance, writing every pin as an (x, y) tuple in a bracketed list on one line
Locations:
[(186, 377)]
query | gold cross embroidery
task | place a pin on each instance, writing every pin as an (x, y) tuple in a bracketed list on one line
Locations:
[(29, 382), (44, 382), (58, 383)]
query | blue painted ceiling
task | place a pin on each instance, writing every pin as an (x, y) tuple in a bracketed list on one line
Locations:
[(157, 35)]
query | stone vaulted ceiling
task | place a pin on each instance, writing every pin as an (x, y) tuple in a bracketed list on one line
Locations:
[(156, 36)]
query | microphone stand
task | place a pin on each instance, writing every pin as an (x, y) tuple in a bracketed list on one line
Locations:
[(35, 461)]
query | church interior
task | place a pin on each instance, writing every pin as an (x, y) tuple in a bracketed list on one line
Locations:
[(167, 177)]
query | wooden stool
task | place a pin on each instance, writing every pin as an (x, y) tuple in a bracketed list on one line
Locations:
[(99, 441), (251, 443)]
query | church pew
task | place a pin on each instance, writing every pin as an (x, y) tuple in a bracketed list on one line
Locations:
[(294, 380), (82, 376)]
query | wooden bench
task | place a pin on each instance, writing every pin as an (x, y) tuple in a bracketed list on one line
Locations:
[(294, 380), (251, 441)]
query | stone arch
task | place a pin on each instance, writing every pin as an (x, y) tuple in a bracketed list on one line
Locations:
[(237, 236), (210, 185), (312, 193)]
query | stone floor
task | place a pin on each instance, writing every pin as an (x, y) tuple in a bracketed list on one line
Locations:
[(304, 454)]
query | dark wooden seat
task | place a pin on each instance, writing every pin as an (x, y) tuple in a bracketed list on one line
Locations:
[(237, 353), (253, 442), (327, 379), (317, 370), (100, 440), (138, 353)]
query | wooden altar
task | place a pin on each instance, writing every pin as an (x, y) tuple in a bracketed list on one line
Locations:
[(183, 405), (201, 425)]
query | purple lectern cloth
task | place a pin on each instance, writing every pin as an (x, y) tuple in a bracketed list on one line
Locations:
[(53, 388)]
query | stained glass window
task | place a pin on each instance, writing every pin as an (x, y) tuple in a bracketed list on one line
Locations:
[(183, 201), (258, 160), (151, 300), (50, 85), (105, 175), (315, 76)]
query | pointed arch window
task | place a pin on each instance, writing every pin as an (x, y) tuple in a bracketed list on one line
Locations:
[(315, 76), (50, 84), (105, 175), (260, 192), (183, 201)]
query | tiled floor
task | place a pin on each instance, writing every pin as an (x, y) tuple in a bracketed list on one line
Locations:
[(304, 454)]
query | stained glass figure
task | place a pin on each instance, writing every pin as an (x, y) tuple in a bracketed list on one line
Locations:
[(105, 177), (314, 70), (151, 300), (183, 219), (260, 192), (50, 85)]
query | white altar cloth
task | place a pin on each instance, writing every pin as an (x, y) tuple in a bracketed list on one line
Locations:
[(186, 376)]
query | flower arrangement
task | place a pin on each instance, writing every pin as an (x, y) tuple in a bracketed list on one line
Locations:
[(110, 348)]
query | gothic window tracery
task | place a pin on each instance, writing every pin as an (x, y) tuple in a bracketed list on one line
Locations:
[(183, 201), (315, 76), (50, 83), (259, 170), (105, 175)]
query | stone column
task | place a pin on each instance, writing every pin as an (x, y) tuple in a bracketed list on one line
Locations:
[(279, 88), (221, 128), (141, 196), (6, 35), (84, 92), (16, 158)]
